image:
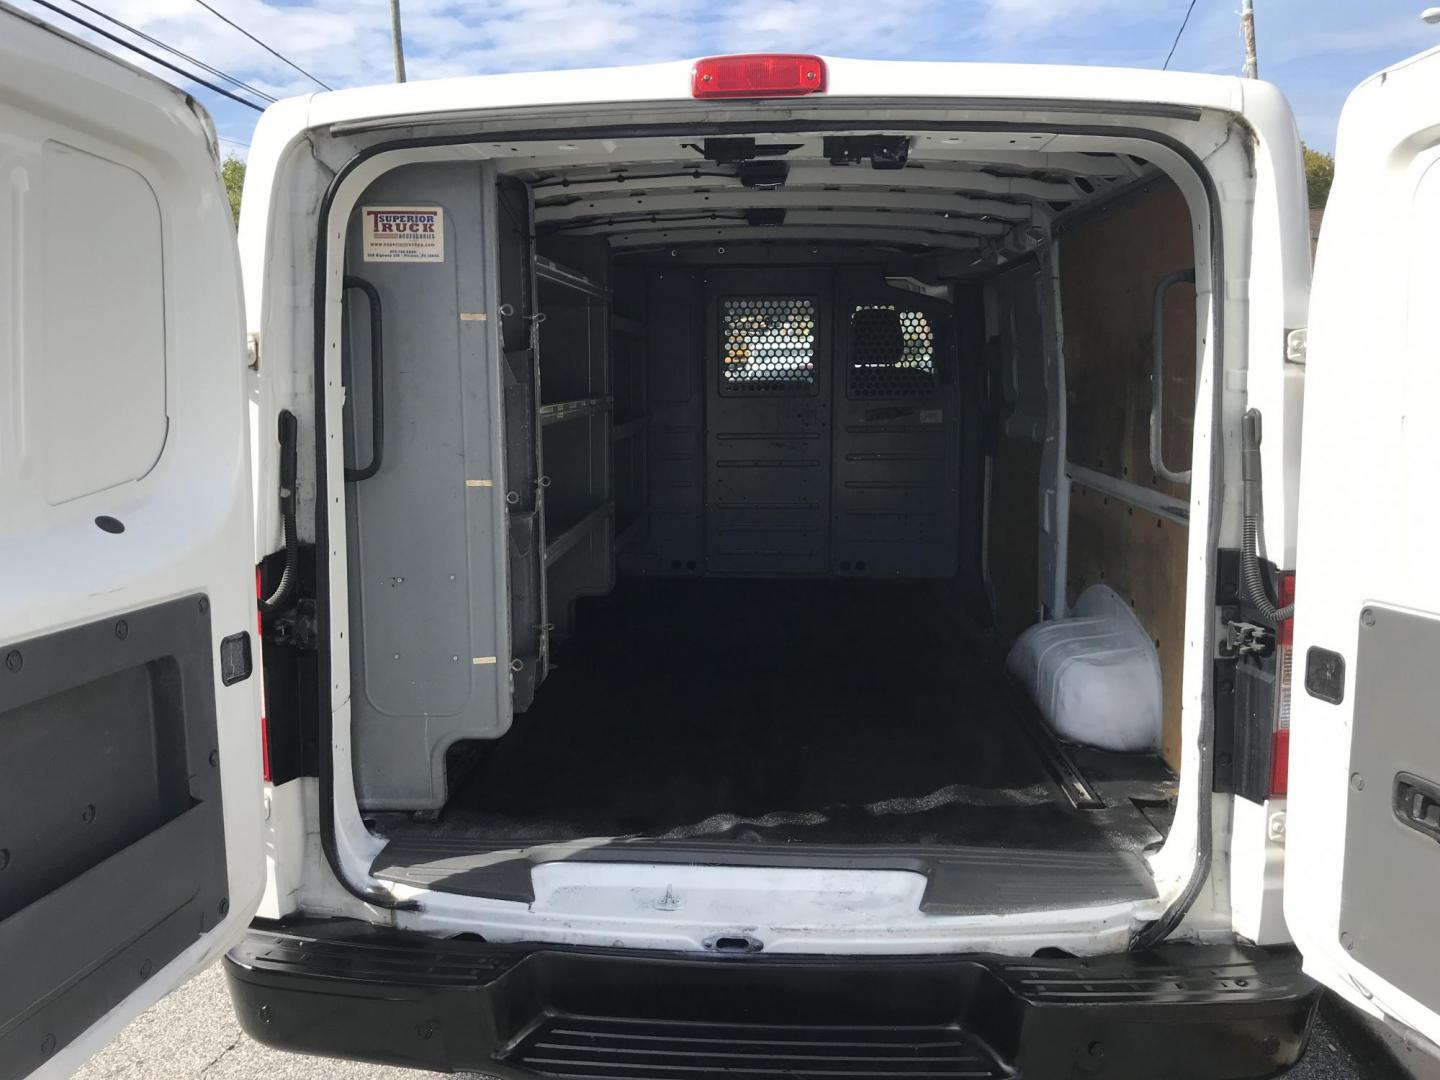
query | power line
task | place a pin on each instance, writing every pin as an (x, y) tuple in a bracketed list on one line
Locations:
[(148, 55), (267, 48), (1184, 23), (176, 52)]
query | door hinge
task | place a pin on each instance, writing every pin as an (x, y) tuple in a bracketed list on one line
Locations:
[(252, 351), (1297, 345)]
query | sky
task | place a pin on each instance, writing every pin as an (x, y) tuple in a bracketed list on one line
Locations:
[(1316, 50)]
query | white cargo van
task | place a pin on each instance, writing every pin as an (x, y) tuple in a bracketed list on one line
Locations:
[(773, 565)]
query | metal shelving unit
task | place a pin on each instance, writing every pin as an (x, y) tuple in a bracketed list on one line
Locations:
[(560, 411), (560, 544), (553, 272), (576, 447)]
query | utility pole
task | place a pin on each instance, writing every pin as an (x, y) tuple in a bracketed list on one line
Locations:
[(399, 44), (1247, 31)]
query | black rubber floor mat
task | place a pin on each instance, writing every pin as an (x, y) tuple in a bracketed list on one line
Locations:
[(772, 711)]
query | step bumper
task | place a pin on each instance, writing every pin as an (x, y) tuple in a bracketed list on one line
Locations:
[(348, 989)]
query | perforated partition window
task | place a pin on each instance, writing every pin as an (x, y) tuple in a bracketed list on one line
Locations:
[(767, 345), (892, 353)]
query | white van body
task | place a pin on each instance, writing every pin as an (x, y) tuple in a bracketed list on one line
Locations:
[(134, 485)]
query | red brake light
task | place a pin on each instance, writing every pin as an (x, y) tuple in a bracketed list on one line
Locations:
[(757, 75), (1284, 672), (1280, 764), (1284, 597)]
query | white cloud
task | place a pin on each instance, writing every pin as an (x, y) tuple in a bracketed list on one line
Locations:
[(1008, 20), (1399, 36), (870, 28)]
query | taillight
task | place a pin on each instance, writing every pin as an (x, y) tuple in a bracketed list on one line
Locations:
[(260, 646), (757, 75), (1280, 733), (1285, 597)]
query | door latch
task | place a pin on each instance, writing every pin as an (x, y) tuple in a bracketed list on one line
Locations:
[(1247, 637), (1417, 804)]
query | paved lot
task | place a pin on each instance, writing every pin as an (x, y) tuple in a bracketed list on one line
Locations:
[(193, 1034)]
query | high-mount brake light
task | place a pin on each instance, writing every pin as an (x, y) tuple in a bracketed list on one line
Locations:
[(757, 75)]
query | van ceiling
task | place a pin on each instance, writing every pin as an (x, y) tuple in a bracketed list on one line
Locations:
[(902, 191)]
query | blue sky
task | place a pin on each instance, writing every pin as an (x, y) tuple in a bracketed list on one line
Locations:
[(1316, 50)]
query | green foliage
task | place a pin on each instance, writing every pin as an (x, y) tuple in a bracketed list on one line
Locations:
[(1319, 175), (233, 172)]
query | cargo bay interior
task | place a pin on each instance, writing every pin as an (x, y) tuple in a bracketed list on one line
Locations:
[(779, 480)]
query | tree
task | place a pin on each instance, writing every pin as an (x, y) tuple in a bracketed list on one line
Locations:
[(233, 172), (1319, 175)]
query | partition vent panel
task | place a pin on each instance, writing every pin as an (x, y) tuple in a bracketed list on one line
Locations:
[(767, 345), (892, 353), (896, 432)]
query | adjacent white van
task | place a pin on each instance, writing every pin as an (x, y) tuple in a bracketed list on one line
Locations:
[(773, 565)]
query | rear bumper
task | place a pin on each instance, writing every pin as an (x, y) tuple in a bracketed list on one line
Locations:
[(347, 989)]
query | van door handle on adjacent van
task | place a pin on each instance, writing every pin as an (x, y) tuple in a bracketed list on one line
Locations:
[(377, 381), (1157, 368), (1417, 803)]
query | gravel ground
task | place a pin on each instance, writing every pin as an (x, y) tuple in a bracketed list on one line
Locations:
[(1346, 1045), (193, 1034)]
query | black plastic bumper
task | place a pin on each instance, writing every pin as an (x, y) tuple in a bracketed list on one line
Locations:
[(348, 989)]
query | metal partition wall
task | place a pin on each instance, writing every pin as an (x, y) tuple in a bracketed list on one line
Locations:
[(429, 662), (768, 371), (896, 432), (805, 422)]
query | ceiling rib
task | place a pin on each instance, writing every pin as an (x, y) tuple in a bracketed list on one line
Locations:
[(590, 184), (724, 233), (648, 193), (788, 198), (799, 218)]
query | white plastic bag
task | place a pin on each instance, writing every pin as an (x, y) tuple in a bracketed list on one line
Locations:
[(1095, 675)]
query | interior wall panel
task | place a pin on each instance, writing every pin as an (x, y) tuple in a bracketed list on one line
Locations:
[(1110, 264)]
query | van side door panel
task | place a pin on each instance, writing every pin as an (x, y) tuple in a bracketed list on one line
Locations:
[(130, 774), (1363, 858)]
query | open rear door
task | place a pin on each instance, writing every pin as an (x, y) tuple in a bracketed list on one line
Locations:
[(1363, 860), (130, 777)]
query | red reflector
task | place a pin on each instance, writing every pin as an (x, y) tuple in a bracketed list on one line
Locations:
[(757, 75), (265, 748), (1285, 589), (1280, 764)]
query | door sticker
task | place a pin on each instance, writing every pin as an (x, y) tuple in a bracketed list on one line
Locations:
[(404, 234)]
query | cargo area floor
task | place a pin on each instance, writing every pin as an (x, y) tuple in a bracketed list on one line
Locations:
[(782, 712)]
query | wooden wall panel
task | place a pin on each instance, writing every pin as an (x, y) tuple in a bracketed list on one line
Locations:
[(1110, 265), (1143, 558)]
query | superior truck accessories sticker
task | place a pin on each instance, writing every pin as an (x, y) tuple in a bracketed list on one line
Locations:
[(404, 234)]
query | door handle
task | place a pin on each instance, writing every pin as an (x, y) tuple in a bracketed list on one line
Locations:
[(1417, 804), (377, 381), (1157, 366)]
